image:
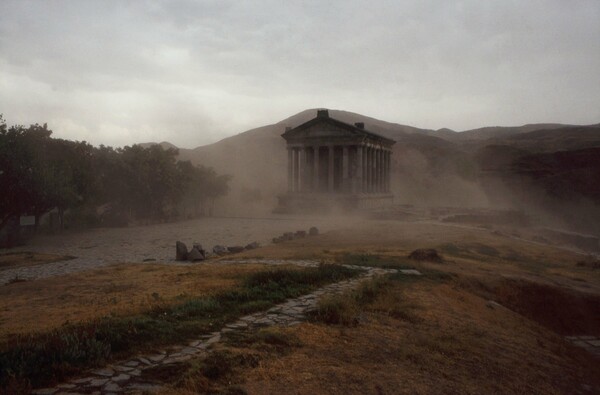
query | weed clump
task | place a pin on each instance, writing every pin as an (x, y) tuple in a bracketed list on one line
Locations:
[(425, 254), (344, 309)]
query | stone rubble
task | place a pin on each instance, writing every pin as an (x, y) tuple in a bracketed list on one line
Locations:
[(125, 376), (589, 343)]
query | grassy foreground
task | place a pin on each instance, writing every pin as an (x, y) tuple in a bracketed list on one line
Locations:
[(40, 359), (430, 334)]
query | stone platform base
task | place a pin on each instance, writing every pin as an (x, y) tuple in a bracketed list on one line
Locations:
[(325, 203)]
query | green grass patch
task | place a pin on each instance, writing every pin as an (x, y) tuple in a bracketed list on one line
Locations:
[(46, 358), (344, 309)]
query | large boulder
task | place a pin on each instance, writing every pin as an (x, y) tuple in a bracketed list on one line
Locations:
[(181, 251), (313, 231), (235, 249), (252, 246), (196, 255)]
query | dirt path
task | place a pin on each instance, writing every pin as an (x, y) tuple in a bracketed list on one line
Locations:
[(99, 247)]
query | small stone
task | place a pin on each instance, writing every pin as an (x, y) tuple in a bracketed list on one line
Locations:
[(106, 372), (145, 361), (112, 387), (131, 364), (97, 382), (135, 372), (83, 380), (122, 368), (67, 386), (235, 249), (595, 343), (156, 358), (121, 377), (195, 343), (189, 350)]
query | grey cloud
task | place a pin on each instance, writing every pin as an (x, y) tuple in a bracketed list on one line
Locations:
[(192, 72)]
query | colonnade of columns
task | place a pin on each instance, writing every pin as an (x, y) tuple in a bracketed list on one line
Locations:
[(339, 168)]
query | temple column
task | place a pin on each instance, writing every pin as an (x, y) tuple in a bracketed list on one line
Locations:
[(359, 169), (315, 165), (387, 170), (369, 168), (384, 171), (345, 169), (290, 170), (366, 174), (373, 170), (330, 169), (302, 169), (379, 170)]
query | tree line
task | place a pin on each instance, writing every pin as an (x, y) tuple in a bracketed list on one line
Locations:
[(98, 185)]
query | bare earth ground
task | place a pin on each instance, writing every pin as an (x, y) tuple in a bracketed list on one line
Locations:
[(446, 340)]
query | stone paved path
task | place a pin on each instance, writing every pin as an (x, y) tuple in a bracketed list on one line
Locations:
[(589, 343), (126, 376)]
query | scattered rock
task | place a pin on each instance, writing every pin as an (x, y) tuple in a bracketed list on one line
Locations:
[(149, 260), (300, 234), (235, 249), (219, 250), (425, 254), (252, 246), (104, 372), (181, 251), (313, 231), (195, 255)]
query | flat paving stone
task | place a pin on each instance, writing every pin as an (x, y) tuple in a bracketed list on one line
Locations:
[(106, 372), (112, 387), (121, 377), (157, 357), (131, 364), (97, 382)]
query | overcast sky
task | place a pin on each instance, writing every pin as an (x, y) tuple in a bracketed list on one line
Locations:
[(193, 72)]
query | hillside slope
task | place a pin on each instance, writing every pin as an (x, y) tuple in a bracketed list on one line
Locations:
[(481, 167)]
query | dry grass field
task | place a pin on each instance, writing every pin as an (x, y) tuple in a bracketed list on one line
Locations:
[(437, 333)]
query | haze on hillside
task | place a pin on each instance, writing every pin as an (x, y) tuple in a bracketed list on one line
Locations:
[(192, 73)]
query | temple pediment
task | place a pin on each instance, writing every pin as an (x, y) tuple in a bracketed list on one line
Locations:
[(326, 129)]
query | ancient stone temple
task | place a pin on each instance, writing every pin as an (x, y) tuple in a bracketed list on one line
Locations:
[(336, 164)]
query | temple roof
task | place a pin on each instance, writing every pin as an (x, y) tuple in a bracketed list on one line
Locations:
[(353, 131)]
